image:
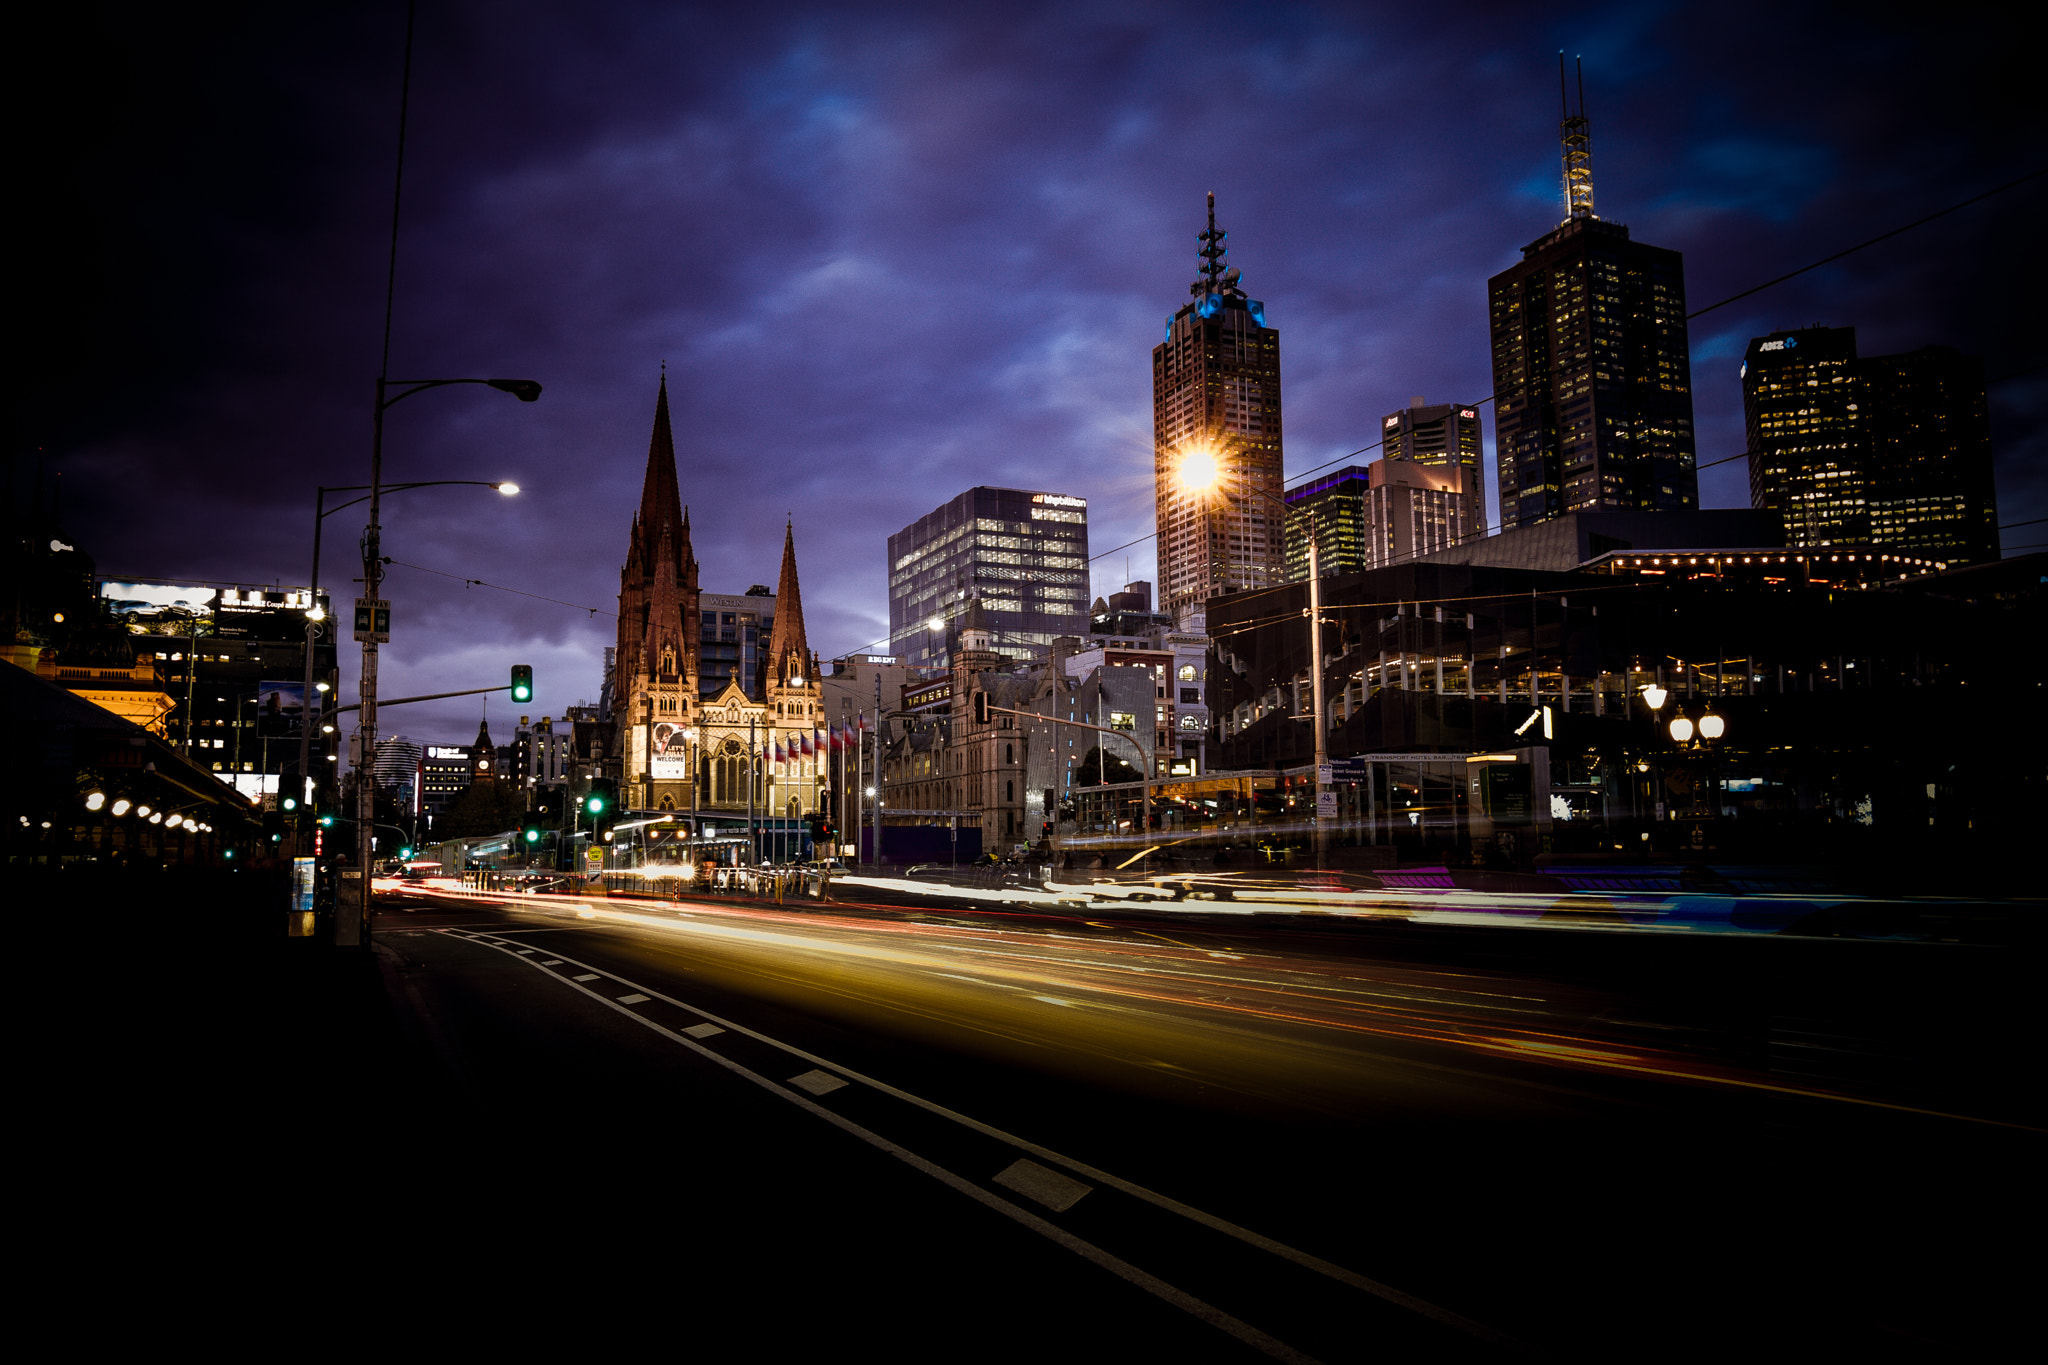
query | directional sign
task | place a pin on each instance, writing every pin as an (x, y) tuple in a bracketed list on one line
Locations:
[(373, 620)]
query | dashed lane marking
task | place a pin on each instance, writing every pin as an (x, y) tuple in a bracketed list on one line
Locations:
[(552, 962), (634, 999), (1048, 1187), (704, 1030), (817, 1082), (1197, 1308)]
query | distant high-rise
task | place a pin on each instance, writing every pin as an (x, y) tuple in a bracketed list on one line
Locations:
[(1442, 436), (1890, 451), (1332, 508), (1592, 381), (1023, 553), (1216, 402), (1411, 509)]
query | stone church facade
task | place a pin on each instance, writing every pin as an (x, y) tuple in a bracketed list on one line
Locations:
[(745, 747)]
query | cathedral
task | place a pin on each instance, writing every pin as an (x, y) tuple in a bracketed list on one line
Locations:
[(738, 744)]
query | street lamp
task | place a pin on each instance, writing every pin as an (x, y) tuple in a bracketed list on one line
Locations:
[(1200, 472), (351, 920), (316, 615)]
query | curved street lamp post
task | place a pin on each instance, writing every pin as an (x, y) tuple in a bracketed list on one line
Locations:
[(351, 919)]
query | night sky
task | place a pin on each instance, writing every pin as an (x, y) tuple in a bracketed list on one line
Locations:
[(889, 252)]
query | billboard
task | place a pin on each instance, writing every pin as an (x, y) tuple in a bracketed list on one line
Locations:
[(280, 706), (190, 609)]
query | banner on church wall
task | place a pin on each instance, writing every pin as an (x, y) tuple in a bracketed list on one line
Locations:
[(669, 759)]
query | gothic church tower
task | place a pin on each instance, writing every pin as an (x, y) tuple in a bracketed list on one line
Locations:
[(659, 635)]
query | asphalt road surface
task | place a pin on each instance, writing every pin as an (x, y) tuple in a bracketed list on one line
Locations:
[(971, 1133)]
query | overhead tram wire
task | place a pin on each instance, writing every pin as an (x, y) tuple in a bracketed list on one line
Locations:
[(1700, 312)]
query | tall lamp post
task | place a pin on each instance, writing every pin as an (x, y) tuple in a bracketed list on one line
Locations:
[(1201, 472), (316, 615), (351, 918)]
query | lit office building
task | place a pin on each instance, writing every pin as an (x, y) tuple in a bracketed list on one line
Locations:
[(1216, 403), (1333, 509), (1412, 509), (1023, 553), (1441, 436), (1890, 451), (1591, 375)]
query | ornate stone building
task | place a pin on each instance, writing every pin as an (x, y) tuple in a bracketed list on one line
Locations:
[(728, 752)]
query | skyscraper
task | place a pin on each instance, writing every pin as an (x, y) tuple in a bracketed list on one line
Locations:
[(1216, 405), (1024, 553), (1591, 377), (1442, 436), (1883, 451)]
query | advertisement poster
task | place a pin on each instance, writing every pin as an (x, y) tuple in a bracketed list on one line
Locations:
[(669, 760)]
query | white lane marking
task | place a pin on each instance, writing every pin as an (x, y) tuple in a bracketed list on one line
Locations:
[(552, 962), (634, 999), (1048, 1187), (1100, 1177), (524, 951), (704, 1030), (818, 1082), (587, 976), (1116, 1265)]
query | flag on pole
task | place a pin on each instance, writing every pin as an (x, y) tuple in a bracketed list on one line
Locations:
[(804, 745), (820, 742), (832, 741)]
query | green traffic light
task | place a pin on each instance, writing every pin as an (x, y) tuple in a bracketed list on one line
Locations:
[(522, 682), (291, 803), (595, 805), (533, 836)]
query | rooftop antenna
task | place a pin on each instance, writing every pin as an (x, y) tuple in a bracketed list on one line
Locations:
[(1212, 253), (1576, 133)]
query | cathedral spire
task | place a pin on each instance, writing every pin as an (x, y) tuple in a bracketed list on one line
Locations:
[(788, 652), (660, 502)]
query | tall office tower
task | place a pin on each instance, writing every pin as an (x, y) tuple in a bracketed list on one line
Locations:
[(1442, 436), (1216, 415), (1023, 553), (1592, 383), (1806, 457), (1333, 509), (1883, 451)]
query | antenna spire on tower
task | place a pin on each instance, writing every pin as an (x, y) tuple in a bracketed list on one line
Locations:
[(1576, 133)]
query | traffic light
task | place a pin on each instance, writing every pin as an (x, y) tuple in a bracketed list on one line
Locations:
[(289, 804), (530, 828), (522, 682)]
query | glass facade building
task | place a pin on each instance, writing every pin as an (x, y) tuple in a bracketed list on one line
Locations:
[(1023, 552), (735, 630), (1333, 506)]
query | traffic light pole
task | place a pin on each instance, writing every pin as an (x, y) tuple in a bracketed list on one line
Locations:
[(427, 696)]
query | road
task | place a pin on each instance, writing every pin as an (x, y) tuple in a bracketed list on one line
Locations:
[(1123, 1135)]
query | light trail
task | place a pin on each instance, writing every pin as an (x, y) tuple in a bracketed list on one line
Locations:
[(1287, 1001)]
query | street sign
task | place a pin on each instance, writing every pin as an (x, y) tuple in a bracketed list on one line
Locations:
[(1326, 805), (373, 620)]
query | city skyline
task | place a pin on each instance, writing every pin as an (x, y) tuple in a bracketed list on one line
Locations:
[(884, 266)]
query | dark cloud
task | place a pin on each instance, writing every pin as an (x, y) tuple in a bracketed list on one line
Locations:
[(889, 252)]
